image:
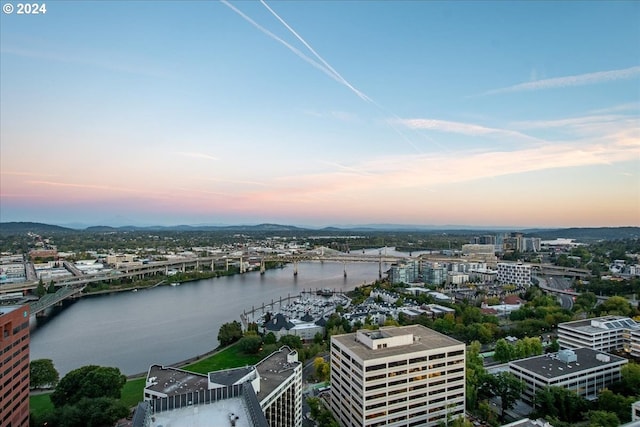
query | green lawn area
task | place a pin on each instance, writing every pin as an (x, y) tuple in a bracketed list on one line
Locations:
[(230, 357), (40, 404), (132, 392)]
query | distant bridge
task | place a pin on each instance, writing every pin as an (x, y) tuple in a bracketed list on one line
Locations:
[(48, 300), (139, 271)]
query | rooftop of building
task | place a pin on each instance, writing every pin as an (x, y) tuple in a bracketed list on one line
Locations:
[(424, 339), (173, 381), (6, 309), (551, 366), (599, 324), (229, 377), (274, 370), (215, 414)]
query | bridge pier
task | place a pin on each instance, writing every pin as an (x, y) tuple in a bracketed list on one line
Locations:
[(344, 265), (295, 267), (262, 266)]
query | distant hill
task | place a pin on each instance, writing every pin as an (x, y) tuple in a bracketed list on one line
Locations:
[(34, 227), (582, 234), (587, 234)]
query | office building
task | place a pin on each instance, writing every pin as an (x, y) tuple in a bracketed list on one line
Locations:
[(606, 333), (582, 370), (396, 376), (267, 394), (14, 366)]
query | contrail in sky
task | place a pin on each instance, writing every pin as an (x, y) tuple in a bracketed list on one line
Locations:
[(326, 64), (323, 66), (287, 45)]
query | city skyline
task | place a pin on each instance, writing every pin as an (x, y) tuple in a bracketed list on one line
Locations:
[(322, 113)]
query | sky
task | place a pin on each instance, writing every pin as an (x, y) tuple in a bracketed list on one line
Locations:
[(317, 113)]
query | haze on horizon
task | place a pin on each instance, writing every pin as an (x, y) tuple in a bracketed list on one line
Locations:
[(321, 113)]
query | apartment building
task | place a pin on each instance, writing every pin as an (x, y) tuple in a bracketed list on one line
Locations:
[(514, 273), (268, 394), (606, 333), (583, 370), (14, 366), (396, 376)]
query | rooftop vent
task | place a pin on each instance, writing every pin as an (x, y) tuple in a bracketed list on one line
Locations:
[(567, 356)]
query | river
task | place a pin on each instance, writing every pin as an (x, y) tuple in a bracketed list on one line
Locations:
[(167, 324)]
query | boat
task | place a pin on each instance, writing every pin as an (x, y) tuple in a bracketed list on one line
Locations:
[(134, 290), (326, 292)]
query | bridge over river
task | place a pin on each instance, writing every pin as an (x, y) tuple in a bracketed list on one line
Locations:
[(48, 300)]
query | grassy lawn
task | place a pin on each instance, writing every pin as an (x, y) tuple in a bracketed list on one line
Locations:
[(132, 392), (40, 404), (230, 357)]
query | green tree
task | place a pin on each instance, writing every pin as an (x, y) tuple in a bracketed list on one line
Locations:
[(586, 301), (42, 373), (88, 381), (504, 385), (602, 419), (615, 305), (630, 383), (52, 288), (561, 403), (609, 401), (250, 344), (270, 338), (96, 412), (41, 290), (229, 333), (475, 373), (321, 368), (292, 341), (503, 351)]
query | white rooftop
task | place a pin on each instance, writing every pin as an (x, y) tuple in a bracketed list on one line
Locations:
[(215, 414)]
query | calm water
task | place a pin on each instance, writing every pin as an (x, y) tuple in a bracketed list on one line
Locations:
[(168, 324)]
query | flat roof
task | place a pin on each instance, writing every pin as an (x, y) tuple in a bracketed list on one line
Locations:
[(173, 381), (274, 370), (214, 414), (427, 339), (549, 366), (229, 377), (610, 323)]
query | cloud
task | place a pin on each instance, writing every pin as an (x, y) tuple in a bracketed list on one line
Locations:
[(196, 155), (120, 65), (87, 186), (11, 173), (462, 128), (577, 80)]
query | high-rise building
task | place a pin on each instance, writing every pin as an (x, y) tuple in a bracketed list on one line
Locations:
[(267, 394), (14, 366), (396, 376)]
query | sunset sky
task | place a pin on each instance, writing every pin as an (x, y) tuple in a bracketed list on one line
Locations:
[(316, 113)]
